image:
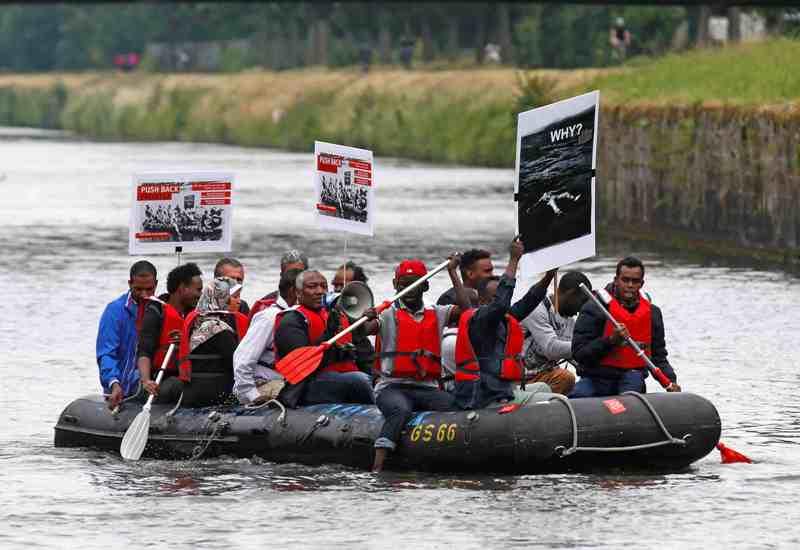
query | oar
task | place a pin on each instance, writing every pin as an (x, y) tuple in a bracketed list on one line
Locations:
[(728, 455), (301, 362), (136, 437), (654, 370)]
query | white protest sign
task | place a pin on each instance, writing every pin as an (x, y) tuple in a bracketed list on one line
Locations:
[(345, 188), (555, 183), (192, 210)]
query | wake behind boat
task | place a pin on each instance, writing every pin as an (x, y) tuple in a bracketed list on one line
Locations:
[(661, 432)]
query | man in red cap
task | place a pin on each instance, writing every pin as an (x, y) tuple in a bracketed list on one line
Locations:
[(408, 365)]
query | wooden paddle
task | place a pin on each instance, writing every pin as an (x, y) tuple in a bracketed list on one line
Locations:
[(657, 373), (301, 362), (136, 437)]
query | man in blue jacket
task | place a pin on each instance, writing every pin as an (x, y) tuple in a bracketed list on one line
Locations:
[(119, 333)]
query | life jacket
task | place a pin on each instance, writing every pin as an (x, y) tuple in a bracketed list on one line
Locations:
[(640, 327), (316, 323), (171, 320), (262, 304), (467, 364), (416, 349), (185, 358)]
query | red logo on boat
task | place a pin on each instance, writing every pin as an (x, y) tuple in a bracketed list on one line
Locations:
[(614, 406)]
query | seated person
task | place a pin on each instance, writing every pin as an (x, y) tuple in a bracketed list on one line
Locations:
[(606, 364), (449, 337), (337, 379), (408, 347), (364, 350), (255, 379), (233, 269), (209, 338), (475, 266), (549, 334), (293, 259), (161, 326), (489, 342)]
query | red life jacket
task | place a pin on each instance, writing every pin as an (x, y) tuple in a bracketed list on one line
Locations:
[(262, 304), (317, 322), (185, 363), (417, 351), (171, 320), (467, 365), (640, 326)]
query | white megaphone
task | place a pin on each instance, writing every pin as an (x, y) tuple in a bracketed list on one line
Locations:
[(355, 299)]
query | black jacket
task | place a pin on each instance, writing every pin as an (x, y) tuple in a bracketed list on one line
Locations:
[(589, 346)]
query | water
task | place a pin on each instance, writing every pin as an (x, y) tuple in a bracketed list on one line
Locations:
[(731, 332)]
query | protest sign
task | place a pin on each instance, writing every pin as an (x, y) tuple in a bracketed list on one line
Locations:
[(344, 184), (555, 183), (191, 210)]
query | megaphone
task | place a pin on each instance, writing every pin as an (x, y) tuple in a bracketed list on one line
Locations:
[(355, 299)]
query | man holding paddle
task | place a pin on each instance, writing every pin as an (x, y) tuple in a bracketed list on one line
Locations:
[(608, 363), (335, 378), (408, 347)]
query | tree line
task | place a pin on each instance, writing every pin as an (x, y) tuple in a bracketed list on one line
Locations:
[(64, 37)]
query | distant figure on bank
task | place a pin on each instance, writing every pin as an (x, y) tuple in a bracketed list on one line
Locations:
[(209, 338), (549, 334), (365, 56), (491, 53), (255, 380), (293, 259), (606, 364), (337, 380), (489, 343), (118, 335), (162, 325), (620, 39), (233, 269), (476, 266), (406, 51)]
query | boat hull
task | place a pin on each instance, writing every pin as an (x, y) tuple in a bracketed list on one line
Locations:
[(552, 434)]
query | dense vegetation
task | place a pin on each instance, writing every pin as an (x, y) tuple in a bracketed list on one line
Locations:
[(286, 35)]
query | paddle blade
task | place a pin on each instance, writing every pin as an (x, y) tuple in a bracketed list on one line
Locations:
[(136, 437), (729, 456), (300, 363)]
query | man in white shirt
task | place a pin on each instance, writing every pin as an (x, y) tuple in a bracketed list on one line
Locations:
[(255, 380)]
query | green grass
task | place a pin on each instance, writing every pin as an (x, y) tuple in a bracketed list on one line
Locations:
[(746, 74)]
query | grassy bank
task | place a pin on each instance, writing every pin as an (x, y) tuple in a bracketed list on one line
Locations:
[(449, 116)]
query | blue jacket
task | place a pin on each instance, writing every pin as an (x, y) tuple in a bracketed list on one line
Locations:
[(116, 345)]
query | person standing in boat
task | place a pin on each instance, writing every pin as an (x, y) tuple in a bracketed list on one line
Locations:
[(118, 334), (293, 259), (209, 338), (408, 364), (606, 365), (476, 266), (337, 380), (161, 326), (490, 339), (254, 377), (549, 333)]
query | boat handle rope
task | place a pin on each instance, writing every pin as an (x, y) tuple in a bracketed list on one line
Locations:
[(281, 417), (219, 426), (562, 452)]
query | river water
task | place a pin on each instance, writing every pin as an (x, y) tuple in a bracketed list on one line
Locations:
[(730, 331)]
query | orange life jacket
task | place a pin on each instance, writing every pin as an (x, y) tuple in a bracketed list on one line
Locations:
[(416, 353), (640, 327), (467, 364), (185, 358), (171, 320), (317, 322)]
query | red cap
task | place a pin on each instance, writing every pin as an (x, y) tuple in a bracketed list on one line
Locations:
[(410, 267)]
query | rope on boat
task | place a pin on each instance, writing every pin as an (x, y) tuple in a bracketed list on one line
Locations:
[(562, 452), (205, 443)]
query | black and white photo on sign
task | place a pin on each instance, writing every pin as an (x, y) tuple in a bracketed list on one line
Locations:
[(555, 183), (191, 210), (345, 188), (350, 200)]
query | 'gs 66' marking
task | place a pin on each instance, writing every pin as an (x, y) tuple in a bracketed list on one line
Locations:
[(428, 432)]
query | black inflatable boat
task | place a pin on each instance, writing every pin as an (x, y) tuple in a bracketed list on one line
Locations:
[(663, 431)]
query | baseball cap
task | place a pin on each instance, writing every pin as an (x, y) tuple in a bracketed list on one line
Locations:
[(410, 267)]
